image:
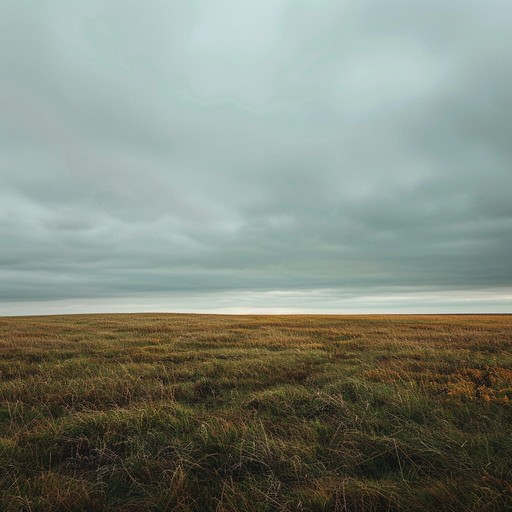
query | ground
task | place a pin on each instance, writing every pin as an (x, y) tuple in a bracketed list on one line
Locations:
[(255, 413)]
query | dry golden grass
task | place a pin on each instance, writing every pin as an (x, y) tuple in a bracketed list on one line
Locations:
[(265, 413)]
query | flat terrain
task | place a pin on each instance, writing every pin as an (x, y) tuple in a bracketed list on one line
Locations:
[(245, 413)]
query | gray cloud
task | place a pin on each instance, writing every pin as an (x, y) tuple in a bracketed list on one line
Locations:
[(348, 149)]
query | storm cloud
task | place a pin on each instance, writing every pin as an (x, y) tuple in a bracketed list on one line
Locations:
[(236, 155)]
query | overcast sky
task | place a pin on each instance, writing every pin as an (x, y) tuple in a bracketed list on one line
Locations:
[(271, 155)]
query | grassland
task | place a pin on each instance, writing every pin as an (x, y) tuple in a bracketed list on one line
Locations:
[(285, 413)]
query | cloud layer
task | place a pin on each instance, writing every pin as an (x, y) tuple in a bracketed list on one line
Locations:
[(168, 148)]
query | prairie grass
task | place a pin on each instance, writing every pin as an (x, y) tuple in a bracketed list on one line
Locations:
[(191, 413)]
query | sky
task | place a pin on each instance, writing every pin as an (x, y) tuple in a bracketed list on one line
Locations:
[(278, 156)]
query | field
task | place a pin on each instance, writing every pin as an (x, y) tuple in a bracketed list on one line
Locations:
[(255, 413)]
